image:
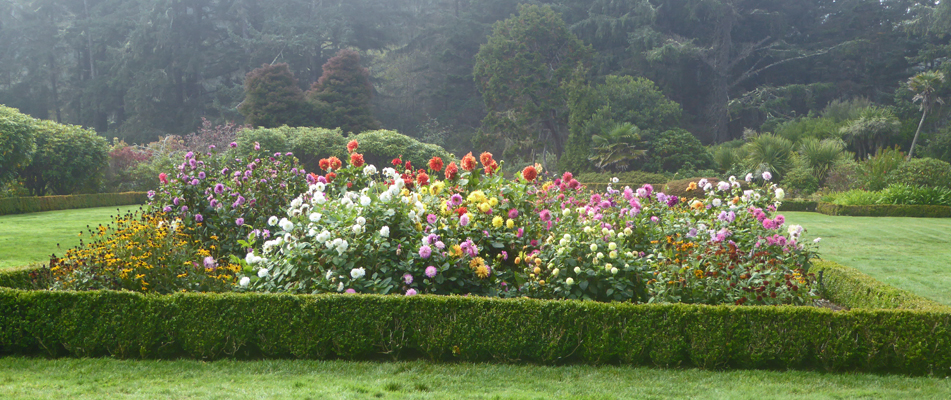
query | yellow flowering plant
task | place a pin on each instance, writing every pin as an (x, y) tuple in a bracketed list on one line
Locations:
[(143, 253)]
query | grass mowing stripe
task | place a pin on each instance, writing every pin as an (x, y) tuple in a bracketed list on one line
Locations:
[(37, 378), (908, 253), (30, 238)]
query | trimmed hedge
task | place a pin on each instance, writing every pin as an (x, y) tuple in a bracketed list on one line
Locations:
[(798, 205), (850, 288), (885, 210), (208, 326), (23, 205), (25, 278)]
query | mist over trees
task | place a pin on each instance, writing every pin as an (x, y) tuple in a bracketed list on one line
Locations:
[(142, 69)]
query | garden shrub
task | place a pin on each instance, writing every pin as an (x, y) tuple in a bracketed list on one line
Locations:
[(252, 141), (927, 172), (23, 205), (311, 144), (17, 141), (877, 168), (382, 146), (676, 149), (798, 205), (68, 159), (906, 194), (598, 181), (845, 175), (800, 181)]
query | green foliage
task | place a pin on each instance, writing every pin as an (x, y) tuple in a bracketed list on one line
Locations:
[(342, 94), (617, 147), (273, 98), (800, 181), (840, 111), (23, 205), (910, 340), (17, 142), (876, 169), (927, 172), (597, 109), (522, 73), (798, 205), (808, 128), (633, 179), (726, 158), (855, 197), (870, 131), (939, 145), (845, 175), (901, 193), (382, 146), (251, 141), (676, 149), (68, 159), (311, 144), (821, 156), (769, 152)]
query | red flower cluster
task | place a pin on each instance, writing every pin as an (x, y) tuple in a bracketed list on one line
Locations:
[(330, 177), (452, 171), (461, 211), (422, 179), (530, 173), (488, 164), (352, 146), (435, 164), (468, 162), (330, 163), (356, 159)]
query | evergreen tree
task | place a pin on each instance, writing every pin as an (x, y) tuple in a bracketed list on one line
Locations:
[(273, 99), (342, 94)]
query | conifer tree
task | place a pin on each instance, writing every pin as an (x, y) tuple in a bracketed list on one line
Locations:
[(342, 94), (272, 98)]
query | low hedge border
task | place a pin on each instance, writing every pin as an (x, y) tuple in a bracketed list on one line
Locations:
[(885, 210), (798, 205), (23, 205), (913, 340), (848, 287)]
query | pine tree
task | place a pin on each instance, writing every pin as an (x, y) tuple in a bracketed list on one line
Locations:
[(342, 94)]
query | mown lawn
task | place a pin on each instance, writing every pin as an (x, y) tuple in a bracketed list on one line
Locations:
[(33, 378), (30, 238), (909, 253)]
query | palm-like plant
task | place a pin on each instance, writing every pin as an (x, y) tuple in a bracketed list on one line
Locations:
[(769, 152), (870, 131), (820, 156), (617, 146), (925, 85)]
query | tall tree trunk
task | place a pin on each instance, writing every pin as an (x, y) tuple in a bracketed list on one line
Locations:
[(719, 58), (55, 86), (911, 150)]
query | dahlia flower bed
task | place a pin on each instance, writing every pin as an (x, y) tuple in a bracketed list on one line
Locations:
[(263, 224)]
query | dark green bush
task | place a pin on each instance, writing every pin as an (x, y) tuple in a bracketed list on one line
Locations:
[(885, 210), (800, 181), (68, 159), (676, 149), (23, 205)]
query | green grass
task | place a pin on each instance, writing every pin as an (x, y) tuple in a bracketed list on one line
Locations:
[(31, 378), (908, 253), (30, 238)]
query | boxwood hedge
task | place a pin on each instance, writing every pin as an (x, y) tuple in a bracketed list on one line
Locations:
[(885, 210), (907, 336), (23, 205)]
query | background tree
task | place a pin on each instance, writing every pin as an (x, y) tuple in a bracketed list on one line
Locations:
[(616, 147), (273, 99), (925, 85), (342, 94), (521, 73)]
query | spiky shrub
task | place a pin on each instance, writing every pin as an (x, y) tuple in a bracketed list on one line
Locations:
[(820, 156), (876, 168), (768, 152)]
